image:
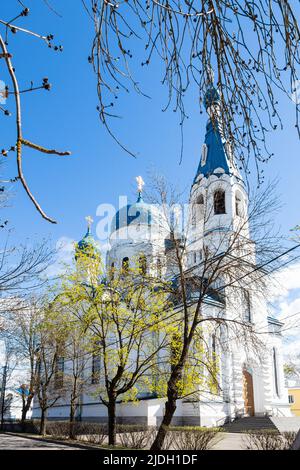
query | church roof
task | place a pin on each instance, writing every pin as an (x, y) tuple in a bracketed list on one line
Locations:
[(140, 212), (214, 155), (87, 244)]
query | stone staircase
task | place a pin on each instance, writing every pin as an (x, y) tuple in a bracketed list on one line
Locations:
[(251, 423)]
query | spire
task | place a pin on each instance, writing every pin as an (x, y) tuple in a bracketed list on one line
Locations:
[(213, 155)]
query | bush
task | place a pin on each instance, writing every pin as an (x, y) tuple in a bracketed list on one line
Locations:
[(269, 439), (89, 432), (135, 436), (191, 438), (58, 428), (94, 433), (31, 426)]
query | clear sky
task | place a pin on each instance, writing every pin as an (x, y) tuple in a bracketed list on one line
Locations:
[(69, 188)]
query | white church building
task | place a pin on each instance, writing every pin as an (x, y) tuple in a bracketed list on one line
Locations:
[(251, 384)]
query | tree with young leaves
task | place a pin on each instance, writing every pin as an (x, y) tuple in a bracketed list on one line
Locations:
[(128, 316), (232, 263)]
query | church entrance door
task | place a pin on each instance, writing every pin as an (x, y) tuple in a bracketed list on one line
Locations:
[(248, 393)]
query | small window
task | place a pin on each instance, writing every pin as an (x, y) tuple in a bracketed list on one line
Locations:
[(59, 372), (238, 204), (112, 271), (194, 214), (200, 207), (95, 369), (247, 306), (275, 372), (125, 264), (291, 399), (204, 151), (159, 270), (213, 346), (143, 265), (219, 202)]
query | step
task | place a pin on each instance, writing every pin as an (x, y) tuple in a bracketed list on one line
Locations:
[(249, 424)]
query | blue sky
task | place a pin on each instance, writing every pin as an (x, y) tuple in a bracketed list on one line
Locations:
[(69, 188), (98, 171)]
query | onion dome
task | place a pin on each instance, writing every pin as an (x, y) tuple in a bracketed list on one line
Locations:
[(139, 213), (87, 245)]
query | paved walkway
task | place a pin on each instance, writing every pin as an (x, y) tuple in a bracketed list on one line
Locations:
[(287, 424), (231, 441), (13, 442)]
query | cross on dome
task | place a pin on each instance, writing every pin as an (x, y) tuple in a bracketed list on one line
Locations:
[(140, 183), (89, 220)]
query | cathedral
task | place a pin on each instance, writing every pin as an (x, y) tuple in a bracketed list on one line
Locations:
[(251, 384)]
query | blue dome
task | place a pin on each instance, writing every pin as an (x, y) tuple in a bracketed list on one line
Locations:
[(87, 243), (140, 212), (211, 97)]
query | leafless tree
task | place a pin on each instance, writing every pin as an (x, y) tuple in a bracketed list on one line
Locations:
[(52, 337), (21, 324), (10, 28), (252, 46), (22, 267), (9, 365)]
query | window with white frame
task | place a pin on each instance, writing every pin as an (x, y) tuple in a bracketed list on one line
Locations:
[(291, 399)]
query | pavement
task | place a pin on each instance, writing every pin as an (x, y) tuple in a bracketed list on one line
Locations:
[(231, 441), (15, 442), (286, 424)]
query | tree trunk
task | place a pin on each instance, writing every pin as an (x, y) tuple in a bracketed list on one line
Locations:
[(112, 419), (170, 408), (72, 420), (43, 422), (25, 408)]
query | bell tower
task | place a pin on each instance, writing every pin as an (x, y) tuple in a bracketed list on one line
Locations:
[(218, 198)]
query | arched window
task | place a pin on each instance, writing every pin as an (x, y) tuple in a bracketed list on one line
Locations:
[(275, 372), (95, 378), (59, 372), (198, 210), (213, 346), (238, 204), (247, 307), (125, 264), (219, 201), (112, 271), (159, 270), (143, 265), (200, 207)]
